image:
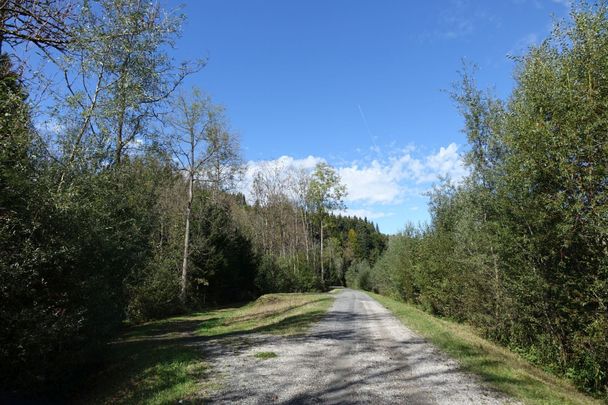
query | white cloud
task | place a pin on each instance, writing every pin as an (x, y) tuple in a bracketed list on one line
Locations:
[(280, 165), (384, 182), (372, 184), (283, 162), (447, 162), (307, 163), (388, 182)]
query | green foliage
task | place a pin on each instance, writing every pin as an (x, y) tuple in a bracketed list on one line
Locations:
[(222, 265), (358, 275), (276, 274), (326, 192), (358, 237), (150, 363), (396, 273), (265, 355), (223, 262), (297, 274), (80, 258), (91, 216), (121, 77), (302, 244), (59, 299), (154, 292), (520, 248), (44, 302)]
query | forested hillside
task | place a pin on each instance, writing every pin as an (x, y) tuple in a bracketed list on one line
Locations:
[(117, 195), (520, 247)]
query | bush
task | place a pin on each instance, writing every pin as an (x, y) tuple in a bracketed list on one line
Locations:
[(358, 275), (282, 275)]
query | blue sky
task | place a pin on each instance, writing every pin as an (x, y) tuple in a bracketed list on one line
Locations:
[(358, 84)]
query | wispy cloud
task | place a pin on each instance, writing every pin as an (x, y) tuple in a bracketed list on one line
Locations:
[(369, 132), (456, 27), (540, 4), (536, 3), (458, 19), (523, 43)]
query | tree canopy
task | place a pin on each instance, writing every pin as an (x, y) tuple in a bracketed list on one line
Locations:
[(519, 248)]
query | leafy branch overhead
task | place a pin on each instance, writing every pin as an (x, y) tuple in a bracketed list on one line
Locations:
[(46, 24)]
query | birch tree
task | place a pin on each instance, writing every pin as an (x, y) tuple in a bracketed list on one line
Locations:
[(119, 78), (326, 194), (200, 143), (46, 24)]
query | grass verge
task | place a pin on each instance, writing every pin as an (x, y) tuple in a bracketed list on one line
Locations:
[(159, 362), (501, 368)]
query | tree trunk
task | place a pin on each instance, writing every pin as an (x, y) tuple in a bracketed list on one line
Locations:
[(322, 266), (118, 151), (3, 18), (305, 230), (182, 294), (121, 116), (83, 128)]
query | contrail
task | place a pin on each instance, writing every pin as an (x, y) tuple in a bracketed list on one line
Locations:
[(371, 137)]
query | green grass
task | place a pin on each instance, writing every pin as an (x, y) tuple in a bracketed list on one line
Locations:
[(265, 355), (501, 368), (159, 362)]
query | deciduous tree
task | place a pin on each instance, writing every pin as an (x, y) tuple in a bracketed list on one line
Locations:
[(326, 194), (201, 144)]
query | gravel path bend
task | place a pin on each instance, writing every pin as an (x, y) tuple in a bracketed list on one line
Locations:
[(359, 353)]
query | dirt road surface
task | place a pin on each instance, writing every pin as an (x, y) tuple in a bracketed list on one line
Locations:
[(358, 354)]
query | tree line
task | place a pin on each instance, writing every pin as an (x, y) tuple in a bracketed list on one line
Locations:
[(303, 243), (519, 249), (118, 193)]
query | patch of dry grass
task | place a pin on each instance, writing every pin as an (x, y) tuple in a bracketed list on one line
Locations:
[(285, 314)]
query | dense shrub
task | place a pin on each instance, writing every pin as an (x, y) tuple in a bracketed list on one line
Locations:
[(519, 248), (276, 274), (359, 275)]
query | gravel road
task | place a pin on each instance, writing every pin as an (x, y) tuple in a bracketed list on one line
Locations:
[(359, 353)]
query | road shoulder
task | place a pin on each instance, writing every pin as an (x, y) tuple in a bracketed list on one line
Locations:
[(502, 369)]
